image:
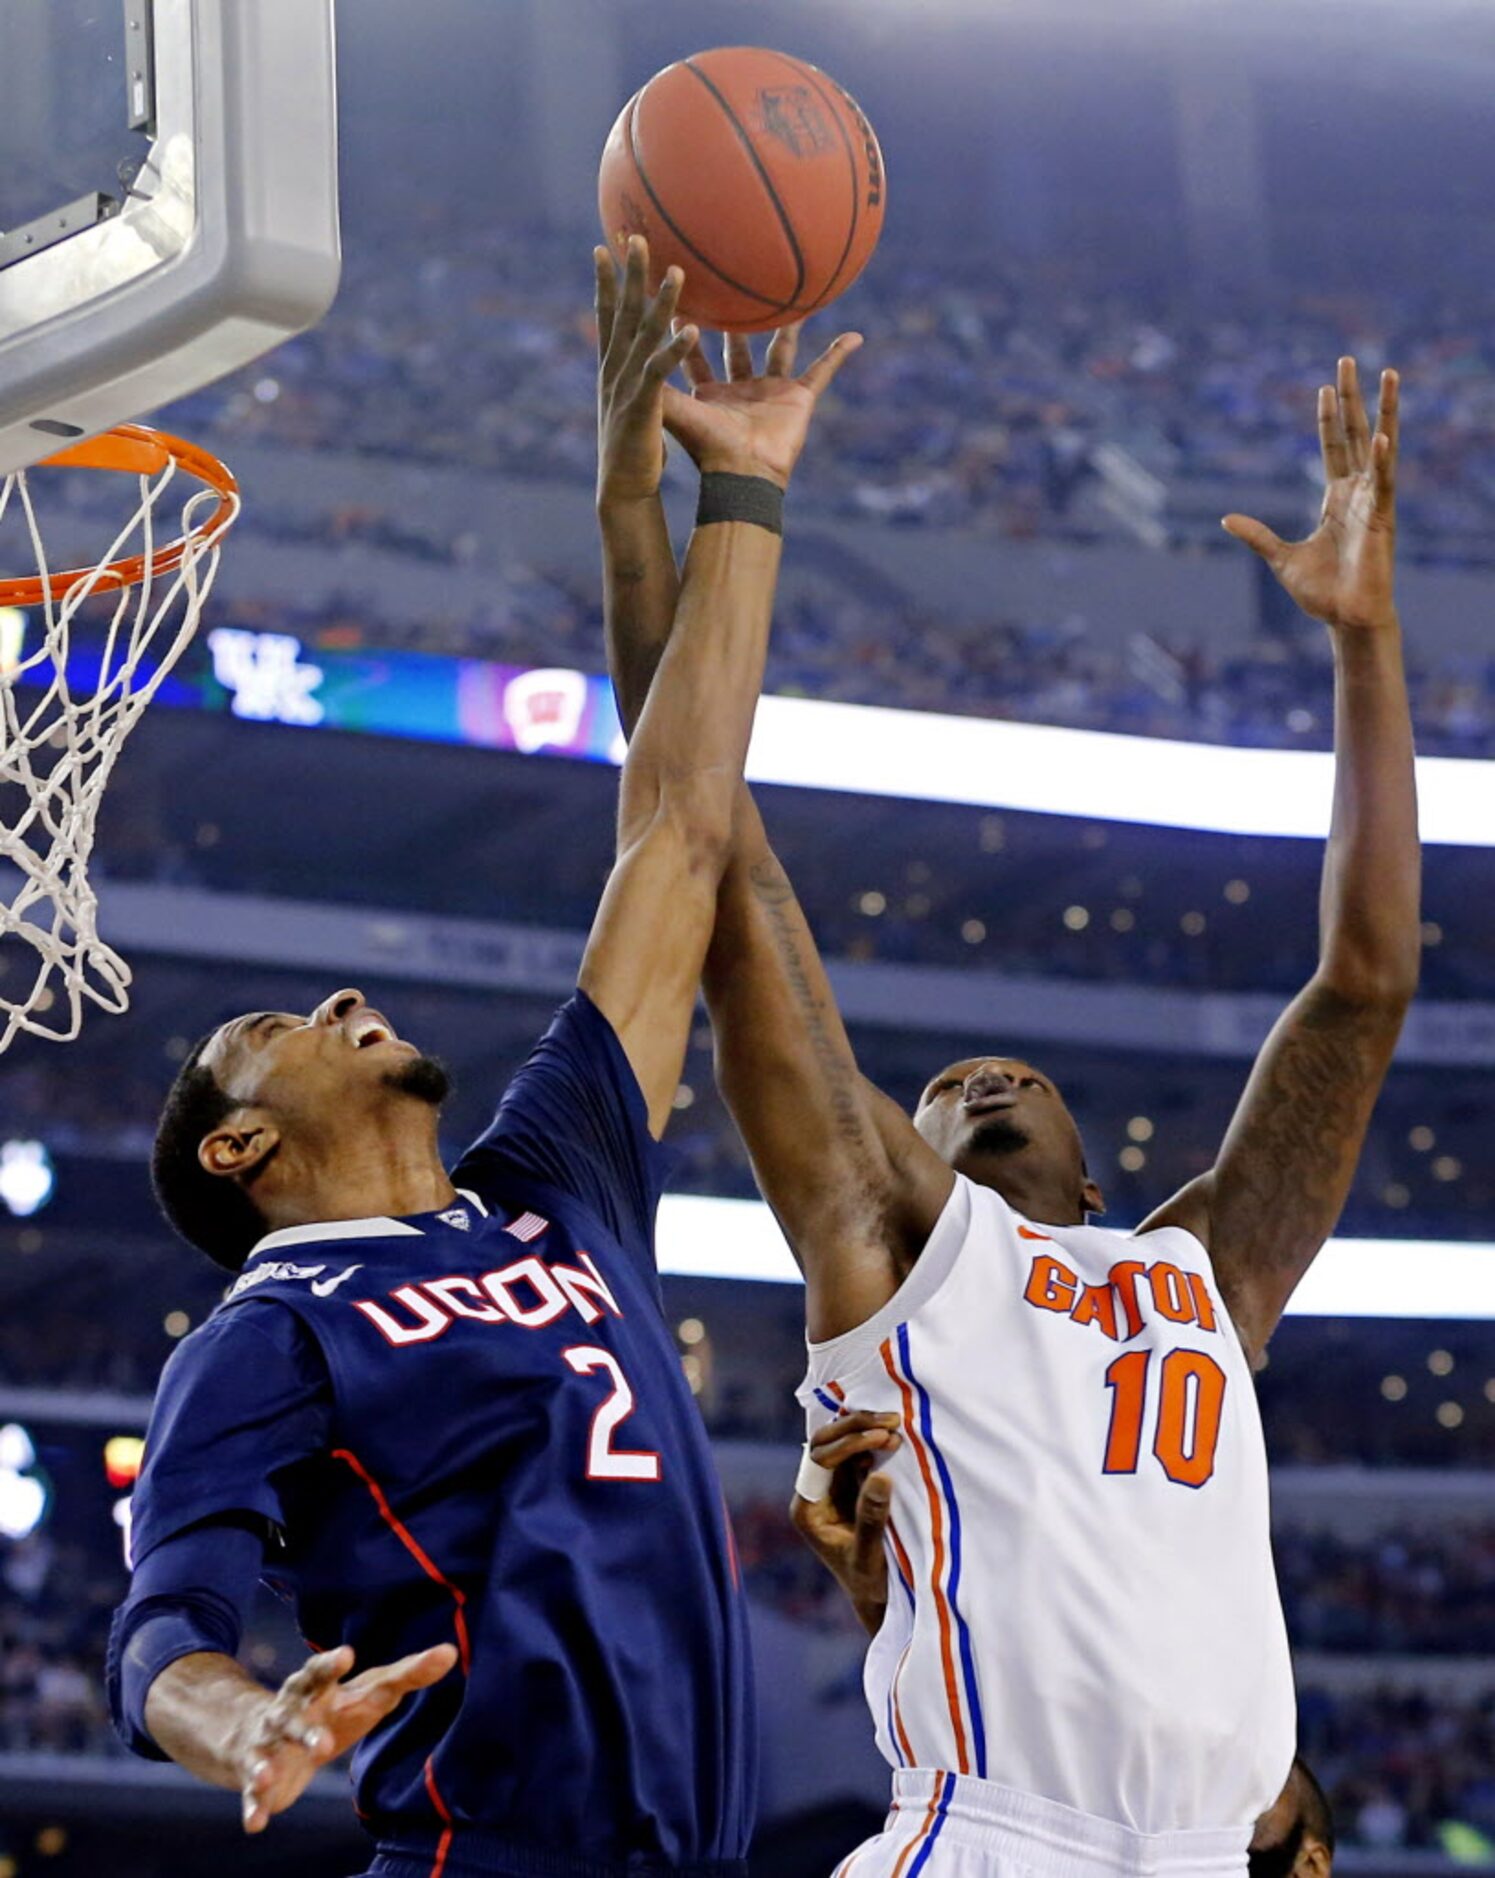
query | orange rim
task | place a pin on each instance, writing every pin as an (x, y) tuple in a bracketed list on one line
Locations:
[(132, 450)]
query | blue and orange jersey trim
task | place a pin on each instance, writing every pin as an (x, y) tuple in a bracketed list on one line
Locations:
[(896, 1726), (921, 1846), (944, 1581), (900, 1559)]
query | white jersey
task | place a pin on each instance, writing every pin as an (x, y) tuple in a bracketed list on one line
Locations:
[(1082, 1605)]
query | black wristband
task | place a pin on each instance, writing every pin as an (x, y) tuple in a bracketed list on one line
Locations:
[(728, 498)]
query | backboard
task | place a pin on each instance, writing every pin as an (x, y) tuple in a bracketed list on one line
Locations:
[(216, 239)]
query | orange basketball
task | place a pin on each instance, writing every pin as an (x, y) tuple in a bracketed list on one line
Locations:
[(756, 174)]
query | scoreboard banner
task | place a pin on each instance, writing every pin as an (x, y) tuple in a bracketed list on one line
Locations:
[(806, 743)]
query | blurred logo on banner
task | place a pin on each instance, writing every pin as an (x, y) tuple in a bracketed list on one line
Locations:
[(264, 674), (545, 707)]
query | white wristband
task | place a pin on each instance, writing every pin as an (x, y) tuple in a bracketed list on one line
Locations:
[(813, 1482)]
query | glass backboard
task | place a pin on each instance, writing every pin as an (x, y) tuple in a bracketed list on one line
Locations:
[(168, 202)]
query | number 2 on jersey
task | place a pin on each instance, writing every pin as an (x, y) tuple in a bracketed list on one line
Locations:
[(1191, 1398), (604, 1461)]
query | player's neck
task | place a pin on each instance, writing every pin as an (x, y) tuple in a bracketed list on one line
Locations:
[(1031, 1194), (381, 1173)]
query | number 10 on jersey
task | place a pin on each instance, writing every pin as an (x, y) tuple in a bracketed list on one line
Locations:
[(1191, 1400)]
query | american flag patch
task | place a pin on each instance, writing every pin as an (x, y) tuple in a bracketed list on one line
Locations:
[(528, 1226)]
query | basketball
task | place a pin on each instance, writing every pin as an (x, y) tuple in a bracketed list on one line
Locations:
[(755, 173)]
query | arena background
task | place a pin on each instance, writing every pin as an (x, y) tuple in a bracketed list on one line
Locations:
[(1124, 245)]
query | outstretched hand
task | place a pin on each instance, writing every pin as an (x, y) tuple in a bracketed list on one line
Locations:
[(845, 1529), (316, 1716), (752, 423), (1343, 574), (638, 347)]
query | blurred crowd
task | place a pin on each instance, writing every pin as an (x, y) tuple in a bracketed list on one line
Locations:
[(991, 402), (1403, 1769), (981, 399), (55, 1602), (1411, 1590)]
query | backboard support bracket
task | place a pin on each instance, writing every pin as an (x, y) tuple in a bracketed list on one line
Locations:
[(56, 225), (140, 64)]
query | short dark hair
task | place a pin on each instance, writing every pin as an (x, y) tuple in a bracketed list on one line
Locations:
[(1318, 1815), (210, 1211)]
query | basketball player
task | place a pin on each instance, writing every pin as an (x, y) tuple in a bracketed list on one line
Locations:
[(445, 1412), (847, 1530), (1086, 1666)]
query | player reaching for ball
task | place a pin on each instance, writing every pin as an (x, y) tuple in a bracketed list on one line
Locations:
[(1084, 1665), (445, 1412)]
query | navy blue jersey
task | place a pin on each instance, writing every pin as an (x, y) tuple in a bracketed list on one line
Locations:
[(472, 1426)]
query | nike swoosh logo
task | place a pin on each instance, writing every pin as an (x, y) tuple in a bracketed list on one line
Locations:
[(325, 1287)]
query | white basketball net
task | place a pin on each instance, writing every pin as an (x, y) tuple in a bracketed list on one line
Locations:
[(58, 746)]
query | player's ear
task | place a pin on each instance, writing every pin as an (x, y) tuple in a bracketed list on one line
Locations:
[(1091, 1198), (242, 1142), (1314, 1861)]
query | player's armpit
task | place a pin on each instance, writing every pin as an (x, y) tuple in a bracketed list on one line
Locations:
[(1290, 1153), (855, 1187)]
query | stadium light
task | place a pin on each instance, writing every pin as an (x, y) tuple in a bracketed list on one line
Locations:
[(27, 1177), (708, 1238), (1094, 774), (24, 1496), (123, 1456)]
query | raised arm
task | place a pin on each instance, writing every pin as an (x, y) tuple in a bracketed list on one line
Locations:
[(1289, 1156), (855, 1187), (643, 960)]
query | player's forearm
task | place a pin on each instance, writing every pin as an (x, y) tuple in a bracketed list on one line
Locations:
[(641, 588), (692, 737), (1370, 916), (783, 1058), (201, 1710), (851, 1211), (640, 592)]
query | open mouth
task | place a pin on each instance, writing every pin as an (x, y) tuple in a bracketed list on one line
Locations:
[(369, 1028)]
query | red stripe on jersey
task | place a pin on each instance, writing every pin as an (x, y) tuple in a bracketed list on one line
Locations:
[(413, 1546), (443, 1813)]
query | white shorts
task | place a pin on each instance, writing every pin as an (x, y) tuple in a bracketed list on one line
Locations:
[(955, 1826)]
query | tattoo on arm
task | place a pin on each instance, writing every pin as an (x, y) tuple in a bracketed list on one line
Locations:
[(1283, 1178), (774, 893)]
